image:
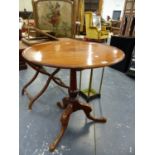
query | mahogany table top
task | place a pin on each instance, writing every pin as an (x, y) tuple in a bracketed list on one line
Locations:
[(73, 54)]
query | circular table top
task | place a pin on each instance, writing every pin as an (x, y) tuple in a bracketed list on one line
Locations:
[(73, 54)]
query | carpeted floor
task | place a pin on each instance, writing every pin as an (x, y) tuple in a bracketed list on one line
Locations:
[(39, 127)]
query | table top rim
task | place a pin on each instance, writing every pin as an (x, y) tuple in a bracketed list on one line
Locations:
[(72, 67)]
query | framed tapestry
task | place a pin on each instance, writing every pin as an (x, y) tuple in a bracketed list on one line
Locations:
[(56, 16)]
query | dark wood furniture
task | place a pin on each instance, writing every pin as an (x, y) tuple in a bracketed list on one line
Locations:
[(128, 22), (131, 70), (115, 27), (22, 64), (91, 5), (74, 55), (26, 14), (126, 44)]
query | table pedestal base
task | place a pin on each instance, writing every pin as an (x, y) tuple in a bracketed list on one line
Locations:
[(71, 105)]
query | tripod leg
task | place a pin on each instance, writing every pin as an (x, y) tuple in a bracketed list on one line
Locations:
[(87, 110), (64, 103), (64, 123)]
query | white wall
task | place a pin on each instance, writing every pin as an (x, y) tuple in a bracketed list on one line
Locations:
[(27, 4), (110, 5)]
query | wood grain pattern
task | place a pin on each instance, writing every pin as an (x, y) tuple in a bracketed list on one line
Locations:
[(75, 54)]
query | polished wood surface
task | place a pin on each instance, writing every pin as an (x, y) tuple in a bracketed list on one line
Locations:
[(70, 53)]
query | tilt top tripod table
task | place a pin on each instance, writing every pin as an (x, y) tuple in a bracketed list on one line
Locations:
[(74, 55)]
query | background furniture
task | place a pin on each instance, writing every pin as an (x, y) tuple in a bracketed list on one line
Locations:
[(126, 40), (22, 64), (80, 9), (68, 56), (87, 5), (94, 6), (55, 16), (91, 5), (26, 14), (90, 93), (93, 27), (131, 70), (115, 27), (128, 22), (126, 44)]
